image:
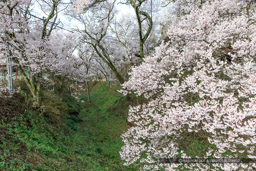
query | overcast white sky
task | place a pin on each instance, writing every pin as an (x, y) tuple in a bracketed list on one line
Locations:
[(70, 24)]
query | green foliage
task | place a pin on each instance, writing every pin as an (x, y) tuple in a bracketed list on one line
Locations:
[(75, 118), (191, 98), (194, 144), (73, 106), (52, 106), (24, 91), (72, 125), (87, 140), (221, 75), (105, 121), (98, 149)]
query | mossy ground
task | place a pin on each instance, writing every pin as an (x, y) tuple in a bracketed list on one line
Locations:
[(89, 141)]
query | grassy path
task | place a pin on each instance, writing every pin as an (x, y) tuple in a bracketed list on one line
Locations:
[(97, 138), (29, 143)]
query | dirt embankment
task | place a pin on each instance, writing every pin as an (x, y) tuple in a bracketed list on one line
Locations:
[(10, 110), (11, 107)]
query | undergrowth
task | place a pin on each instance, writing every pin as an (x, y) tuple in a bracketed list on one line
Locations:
[(66, 135)]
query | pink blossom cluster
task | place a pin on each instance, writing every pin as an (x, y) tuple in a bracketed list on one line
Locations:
[(29, 49), (80, 5), (202, 80)]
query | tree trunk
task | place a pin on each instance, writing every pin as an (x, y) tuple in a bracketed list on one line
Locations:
[(34, 88), (88, 91)]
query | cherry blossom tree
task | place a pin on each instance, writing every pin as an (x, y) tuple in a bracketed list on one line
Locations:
[(34, 47), (142, 17), (82, 5), (87, 60), (200, 83), (125, 31), (96, 23), (119, 41)]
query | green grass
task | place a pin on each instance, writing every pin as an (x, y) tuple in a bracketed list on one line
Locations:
[(104, 121), (89, 141)]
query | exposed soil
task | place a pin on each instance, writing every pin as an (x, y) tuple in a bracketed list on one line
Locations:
[(11, 107)]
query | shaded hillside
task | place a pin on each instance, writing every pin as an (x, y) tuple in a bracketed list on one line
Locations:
[(86, 136)]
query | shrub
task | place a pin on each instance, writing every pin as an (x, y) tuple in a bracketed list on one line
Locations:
[(53, 107)]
